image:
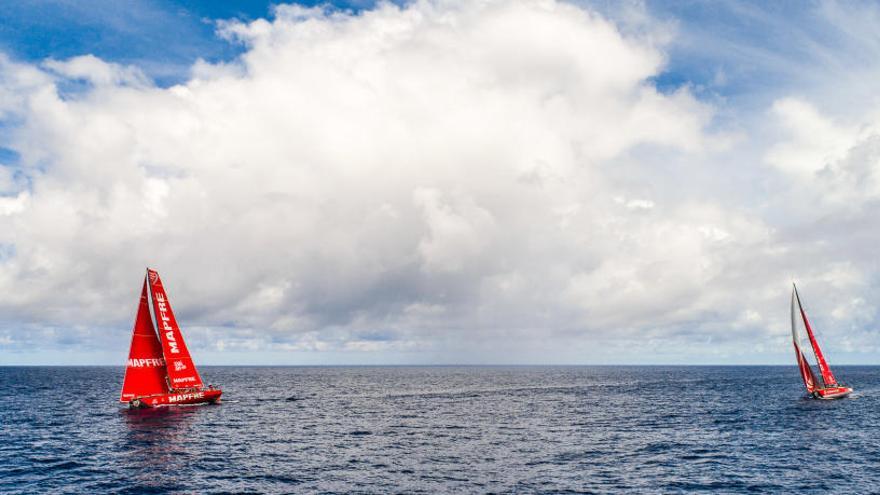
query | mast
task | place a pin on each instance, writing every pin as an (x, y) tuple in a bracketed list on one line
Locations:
[(145, 370), (824, 369), (181, 369)]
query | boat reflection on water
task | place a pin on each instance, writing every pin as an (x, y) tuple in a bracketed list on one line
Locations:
[(160, 438)]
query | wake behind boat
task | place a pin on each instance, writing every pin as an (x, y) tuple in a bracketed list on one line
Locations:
[(160, 371), (824, 386)]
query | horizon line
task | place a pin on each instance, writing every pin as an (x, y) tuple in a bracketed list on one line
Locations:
[(414, 365)]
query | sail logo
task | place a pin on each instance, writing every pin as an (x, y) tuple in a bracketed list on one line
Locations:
[(146, 363), (178, 366), (166, 326)]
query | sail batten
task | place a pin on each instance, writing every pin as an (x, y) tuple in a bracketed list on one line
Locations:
[(181, 369)]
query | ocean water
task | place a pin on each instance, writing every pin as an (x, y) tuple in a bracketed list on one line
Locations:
[(444, 430)]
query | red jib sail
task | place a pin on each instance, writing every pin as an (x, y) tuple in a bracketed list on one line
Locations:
[(181, 369), (824, 369), (145, 372)]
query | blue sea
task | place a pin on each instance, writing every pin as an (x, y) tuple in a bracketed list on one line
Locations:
[(444, 430)]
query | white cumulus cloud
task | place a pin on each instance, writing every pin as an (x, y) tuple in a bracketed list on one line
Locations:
[(442, 177)]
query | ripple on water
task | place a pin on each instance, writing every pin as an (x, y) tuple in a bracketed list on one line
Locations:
[(443, 430)]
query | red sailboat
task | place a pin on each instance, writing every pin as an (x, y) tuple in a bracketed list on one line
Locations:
[(160, 371), (824, 386)]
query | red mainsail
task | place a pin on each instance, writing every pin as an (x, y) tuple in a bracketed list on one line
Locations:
[(145, 373), (181, 369)]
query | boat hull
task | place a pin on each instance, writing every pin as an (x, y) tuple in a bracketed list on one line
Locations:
[(832, 393), (207, 396)]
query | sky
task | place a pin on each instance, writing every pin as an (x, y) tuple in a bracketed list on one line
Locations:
[(441, 182)]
